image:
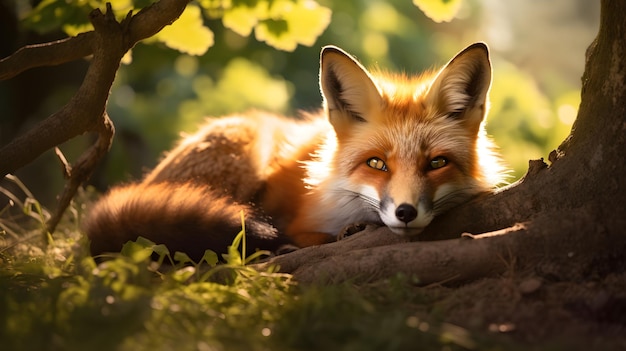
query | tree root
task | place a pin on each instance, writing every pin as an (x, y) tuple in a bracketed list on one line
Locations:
[(377, 253)]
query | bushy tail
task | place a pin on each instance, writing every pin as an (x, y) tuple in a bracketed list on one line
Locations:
[(185, 217)]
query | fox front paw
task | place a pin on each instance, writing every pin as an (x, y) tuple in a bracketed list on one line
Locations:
[(350, 230)]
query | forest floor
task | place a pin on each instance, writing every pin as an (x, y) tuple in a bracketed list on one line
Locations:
[(540, 313), (54, 296)]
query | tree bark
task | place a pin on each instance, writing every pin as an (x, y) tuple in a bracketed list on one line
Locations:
[(565, 220)]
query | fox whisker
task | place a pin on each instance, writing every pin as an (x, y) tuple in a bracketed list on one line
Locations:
[(453, 199)]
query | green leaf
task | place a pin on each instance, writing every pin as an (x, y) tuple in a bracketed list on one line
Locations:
[(73, 16), (242, 18), (210, 257), (49, 15), (439, 10), (161, 250), (188, 34), (136, 251), (144, 242), (234, 256), (293, 23), (183, 274), (182, 258), (75, 29), (282, 24)]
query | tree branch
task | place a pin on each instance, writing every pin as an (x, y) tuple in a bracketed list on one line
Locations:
[(82, 170), (47, 54), (145, 23), (108, 43), (85, 111)]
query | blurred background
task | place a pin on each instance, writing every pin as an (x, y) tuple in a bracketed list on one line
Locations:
[(538, 55)]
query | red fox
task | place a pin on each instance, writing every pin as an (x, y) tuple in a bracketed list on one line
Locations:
[(387, 149)]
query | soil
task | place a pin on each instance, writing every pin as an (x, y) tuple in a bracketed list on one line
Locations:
[(540, 313)]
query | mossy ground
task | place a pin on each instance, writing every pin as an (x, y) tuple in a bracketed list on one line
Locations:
[(54, 296)]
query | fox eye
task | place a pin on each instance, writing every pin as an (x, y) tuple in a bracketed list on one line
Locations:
[(377, 163), (438, 162)]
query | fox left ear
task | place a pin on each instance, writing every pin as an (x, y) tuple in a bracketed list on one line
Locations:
[(460, 89), (350, 94)]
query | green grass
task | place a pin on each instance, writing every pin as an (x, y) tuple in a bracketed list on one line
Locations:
[(54, 296)]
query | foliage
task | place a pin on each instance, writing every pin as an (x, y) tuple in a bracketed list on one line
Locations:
[(440, 10), (164, 92), (188, 34), (282, 24), (525, 122), (56, 296)]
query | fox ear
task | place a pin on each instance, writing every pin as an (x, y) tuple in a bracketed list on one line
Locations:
[(347, 87), (461, 87)]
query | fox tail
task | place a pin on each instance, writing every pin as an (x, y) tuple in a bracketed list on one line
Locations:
[(185, 217)]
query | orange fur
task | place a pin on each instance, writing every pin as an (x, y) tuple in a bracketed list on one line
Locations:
[(388, 149)]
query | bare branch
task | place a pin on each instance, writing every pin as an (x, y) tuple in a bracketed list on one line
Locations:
[(108, 43), (82, 169), (85, 111), (144, 24), (47, 54), (66, 168)]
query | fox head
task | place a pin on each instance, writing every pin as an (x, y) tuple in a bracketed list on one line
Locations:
[(407, 148)]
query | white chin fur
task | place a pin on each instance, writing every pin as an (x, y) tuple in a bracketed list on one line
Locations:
[(416, 226)]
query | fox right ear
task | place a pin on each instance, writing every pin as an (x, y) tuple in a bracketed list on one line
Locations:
[(346, 86), (460, 89)]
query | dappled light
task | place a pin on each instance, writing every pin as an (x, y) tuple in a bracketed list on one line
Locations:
[(524, 122), (527, 120), (319, 257), (187, 34), (439, 11), (160, 92)]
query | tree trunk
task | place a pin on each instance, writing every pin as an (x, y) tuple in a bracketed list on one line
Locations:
[(566, 219)]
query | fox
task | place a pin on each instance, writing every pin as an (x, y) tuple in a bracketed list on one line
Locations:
[(385, 148)]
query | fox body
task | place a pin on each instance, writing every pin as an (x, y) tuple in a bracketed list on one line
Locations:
[(387, 149)]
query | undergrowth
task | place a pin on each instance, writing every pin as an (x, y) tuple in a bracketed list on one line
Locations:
[(55, 296)]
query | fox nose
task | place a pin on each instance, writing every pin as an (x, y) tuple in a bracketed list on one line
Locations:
[(406, 213)]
